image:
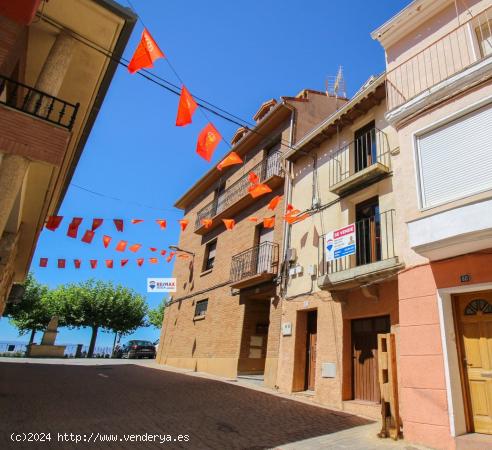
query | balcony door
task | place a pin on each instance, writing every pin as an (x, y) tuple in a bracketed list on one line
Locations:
[(368, 231), (264, 252), (365, 146), (272, 165)]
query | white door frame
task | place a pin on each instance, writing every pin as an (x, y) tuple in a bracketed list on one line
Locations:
[(454, 393)]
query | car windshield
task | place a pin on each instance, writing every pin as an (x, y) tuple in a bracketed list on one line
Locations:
[(140, 343)]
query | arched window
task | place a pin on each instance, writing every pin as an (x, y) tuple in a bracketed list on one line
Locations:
[(478, 305)]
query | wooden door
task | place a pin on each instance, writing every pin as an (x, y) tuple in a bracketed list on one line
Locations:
[(365, 146), (474, 314), (312, 328), (365, 356)]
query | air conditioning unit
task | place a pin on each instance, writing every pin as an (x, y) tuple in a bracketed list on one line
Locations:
[(291, 254)]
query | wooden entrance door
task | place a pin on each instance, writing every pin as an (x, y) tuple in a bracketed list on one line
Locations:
[(312, 328), (474, 314), (365, 356)]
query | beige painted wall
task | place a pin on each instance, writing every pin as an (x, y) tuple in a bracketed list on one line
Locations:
[(305, 235)]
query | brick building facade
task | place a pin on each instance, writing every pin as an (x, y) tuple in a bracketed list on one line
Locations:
[(225, 316)]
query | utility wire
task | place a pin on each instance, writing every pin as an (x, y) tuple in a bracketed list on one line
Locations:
[(100, 194), (165, 84)]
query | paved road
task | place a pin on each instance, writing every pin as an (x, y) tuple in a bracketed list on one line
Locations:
[(125, 399)]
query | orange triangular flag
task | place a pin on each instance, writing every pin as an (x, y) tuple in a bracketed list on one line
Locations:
[(106, 241), (274, 202), (162, 223), (93, 263), (229, 223), (123, 262), (140, 261), (253, 178), (153, 249), (269, 222), (291, 219), (109, 263), (88, 236), (61, 263), (135, 221), (253, 219), (153, 260), (289, 207), (230, 160), (259, 190), (163, 252), (183, 223), (186, 108), (183, 255), (76, 263), (208, 139), (170, 257), (43, 262), (73, 227), (145, 54), (120, 247), (207, 223), (135, 247), (118, 223)]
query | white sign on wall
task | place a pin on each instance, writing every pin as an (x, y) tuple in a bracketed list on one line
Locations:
[(161, 284), (340, 243)]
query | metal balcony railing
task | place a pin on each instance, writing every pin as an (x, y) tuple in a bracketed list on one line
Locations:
[(375, 241), (258, 260), (265, 169), (36, 103), (368, 149), (452, 53)]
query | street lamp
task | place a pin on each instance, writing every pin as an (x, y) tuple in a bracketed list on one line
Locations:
[(177, 249)]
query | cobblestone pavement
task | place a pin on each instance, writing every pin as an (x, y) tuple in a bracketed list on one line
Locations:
[(122, 399)]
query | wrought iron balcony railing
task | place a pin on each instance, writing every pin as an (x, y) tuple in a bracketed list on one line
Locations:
[(460, 48), (375, 241), (259, 260), (36, 103), (264, 170), (365, 151)]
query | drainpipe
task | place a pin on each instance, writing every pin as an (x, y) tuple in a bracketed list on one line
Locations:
[(288, 197)]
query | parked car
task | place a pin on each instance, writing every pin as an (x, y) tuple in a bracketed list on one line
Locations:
[(136, 349)]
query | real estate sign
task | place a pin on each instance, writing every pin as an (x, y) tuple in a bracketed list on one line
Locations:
[(161, 284), (340, 243)]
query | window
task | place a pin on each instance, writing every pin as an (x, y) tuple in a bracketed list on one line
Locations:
[(201, 308), (454, 159), (365, 147), (484, 36), (208, 262)]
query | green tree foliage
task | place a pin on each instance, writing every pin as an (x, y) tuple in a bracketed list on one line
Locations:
[(156, 315), (100, 305), (35, 310)]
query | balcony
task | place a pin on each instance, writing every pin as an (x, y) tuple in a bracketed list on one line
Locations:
[(435, 69), (375, 256), (361, 162), (236, 197), (254, 266), (36, 103), (34, 124)]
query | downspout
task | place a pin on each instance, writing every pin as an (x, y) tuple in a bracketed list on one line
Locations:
[(288, 197)]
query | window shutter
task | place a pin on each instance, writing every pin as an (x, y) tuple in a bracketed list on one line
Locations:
[(456, 159)]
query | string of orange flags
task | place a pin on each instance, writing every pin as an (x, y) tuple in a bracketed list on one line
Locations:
[(61, 263)]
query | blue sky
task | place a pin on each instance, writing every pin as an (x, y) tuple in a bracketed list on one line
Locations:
[(236, 55)]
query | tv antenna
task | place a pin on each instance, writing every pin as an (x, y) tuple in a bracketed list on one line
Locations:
[(335, 85)]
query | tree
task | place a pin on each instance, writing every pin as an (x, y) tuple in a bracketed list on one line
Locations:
[(99, 304), (35, 310), (156, 315)]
